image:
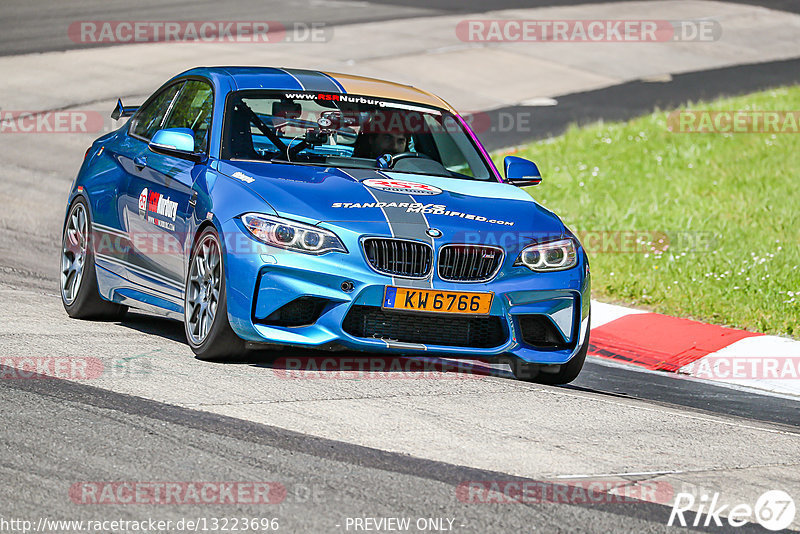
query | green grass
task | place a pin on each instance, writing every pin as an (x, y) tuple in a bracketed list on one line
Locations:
[(739, 192)]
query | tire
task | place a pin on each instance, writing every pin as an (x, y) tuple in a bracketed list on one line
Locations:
[(205, 317), (531, 372), (79, 293)]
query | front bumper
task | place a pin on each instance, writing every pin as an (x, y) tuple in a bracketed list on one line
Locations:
[(262, 279)]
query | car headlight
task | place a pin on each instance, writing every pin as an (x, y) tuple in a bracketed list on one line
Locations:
[(291, 235), (552, 256)]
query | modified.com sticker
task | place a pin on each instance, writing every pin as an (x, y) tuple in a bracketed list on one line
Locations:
[(774, 510), (417, 207)]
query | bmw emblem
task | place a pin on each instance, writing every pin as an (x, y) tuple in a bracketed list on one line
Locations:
[(434, 232)]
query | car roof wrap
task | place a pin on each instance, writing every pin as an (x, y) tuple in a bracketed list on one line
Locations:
[(287, 79)]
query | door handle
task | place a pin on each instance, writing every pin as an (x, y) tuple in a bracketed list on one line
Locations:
[(140, 162)]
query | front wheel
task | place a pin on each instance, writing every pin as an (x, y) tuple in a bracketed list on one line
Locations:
[(205, 316)]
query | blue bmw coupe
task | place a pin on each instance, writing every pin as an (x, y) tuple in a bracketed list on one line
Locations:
[(310, 209)]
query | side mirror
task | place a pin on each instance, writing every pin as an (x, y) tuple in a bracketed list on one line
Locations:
[(177, 142), (521, 172)]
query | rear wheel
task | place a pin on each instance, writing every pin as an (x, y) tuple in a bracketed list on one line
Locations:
[(79, 292), (208, 330)]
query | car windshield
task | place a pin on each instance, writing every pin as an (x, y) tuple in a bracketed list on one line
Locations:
[(341, 130)]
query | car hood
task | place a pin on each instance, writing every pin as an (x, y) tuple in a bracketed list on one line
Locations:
[(464, 210)]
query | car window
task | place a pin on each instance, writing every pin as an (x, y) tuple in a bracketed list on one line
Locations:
[(456, 151), (192, 109), (333, 130), (148, 119)]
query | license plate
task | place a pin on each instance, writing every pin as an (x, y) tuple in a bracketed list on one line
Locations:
[(430, 300)]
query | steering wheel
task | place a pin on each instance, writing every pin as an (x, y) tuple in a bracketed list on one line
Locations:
[(392, 160)]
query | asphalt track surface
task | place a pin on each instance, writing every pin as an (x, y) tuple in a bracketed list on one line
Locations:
[(58, 432), (326, 481), (633, 99), (27, 26)]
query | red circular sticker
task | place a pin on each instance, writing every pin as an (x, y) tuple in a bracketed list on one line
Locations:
[(401, 186), (143, 200)]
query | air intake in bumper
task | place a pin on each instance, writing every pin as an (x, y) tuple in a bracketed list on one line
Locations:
[(448, 331), (301, 311), (538, 331)]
